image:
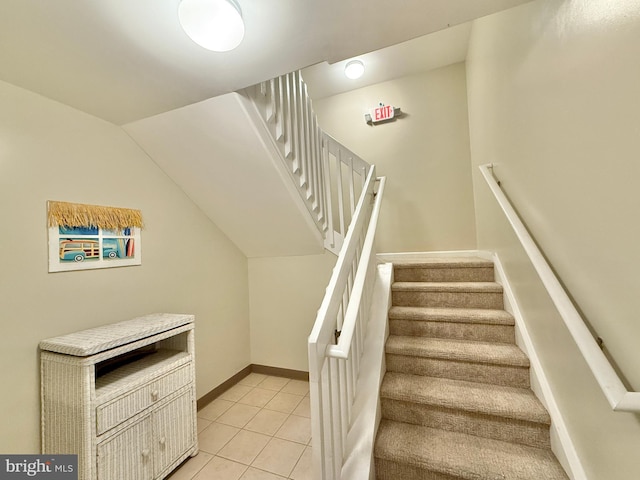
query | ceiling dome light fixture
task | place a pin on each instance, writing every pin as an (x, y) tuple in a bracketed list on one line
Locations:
[(213, 24), (354, 69)]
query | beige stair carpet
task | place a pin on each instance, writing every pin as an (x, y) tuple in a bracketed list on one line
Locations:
[(456, 402), (458, 323)]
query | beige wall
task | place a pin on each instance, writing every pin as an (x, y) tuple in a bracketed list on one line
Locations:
[(553, 92), (284, 301), (428, 202), (51, 152)]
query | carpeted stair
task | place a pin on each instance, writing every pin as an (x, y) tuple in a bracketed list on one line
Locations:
[(456, 402)]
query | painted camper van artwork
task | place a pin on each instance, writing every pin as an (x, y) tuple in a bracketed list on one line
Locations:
[(79, 244)]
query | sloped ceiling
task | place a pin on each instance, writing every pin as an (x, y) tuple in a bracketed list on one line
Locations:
[(129, 63), (215, 151), (123, 60)]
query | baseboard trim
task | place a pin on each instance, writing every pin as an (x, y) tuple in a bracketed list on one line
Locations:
[(561, 442), (418, 256), (280, 372), (223, 387), (253, 368)]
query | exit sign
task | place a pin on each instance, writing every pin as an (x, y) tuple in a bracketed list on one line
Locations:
[(381, 113)]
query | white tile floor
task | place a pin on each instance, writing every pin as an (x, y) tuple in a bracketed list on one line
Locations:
[(259, 429)]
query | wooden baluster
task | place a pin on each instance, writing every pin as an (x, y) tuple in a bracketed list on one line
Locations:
[(278, 99)]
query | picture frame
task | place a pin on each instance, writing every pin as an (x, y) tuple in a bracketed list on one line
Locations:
[(87, 237)]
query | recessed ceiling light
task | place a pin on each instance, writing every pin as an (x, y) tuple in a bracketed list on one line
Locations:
[(213, 24), (354, 69)]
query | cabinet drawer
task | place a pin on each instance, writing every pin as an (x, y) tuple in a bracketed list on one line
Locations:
[(112, 413)]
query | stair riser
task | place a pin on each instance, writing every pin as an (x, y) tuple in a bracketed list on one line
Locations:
[(453, 330), (486, 300), (480, 425), (494, 374), (390, 470), (443, 274)]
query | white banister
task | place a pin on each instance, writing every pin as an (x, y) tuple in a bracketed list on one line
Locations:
[(323, 171), (359, 298), (612, 386), (343, 196), (344, 313)]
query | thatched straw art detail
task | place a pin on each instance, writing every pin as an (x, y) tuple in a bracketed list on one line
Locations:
[(79, 215)]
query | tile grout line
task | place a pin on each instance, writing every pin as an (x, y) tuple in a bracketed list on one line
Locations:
[(289, 413)]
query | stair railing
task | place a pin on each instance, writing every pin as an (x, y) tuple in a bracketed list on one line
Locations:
[(343, 196), (612, 386), (327, 175), (337, 339)]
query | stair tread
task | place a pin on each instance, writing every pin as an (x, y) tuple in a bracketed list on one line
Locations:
[(444, 262), (463, 456), (471, 287), (459, 350), (507, 402), (449, 314)]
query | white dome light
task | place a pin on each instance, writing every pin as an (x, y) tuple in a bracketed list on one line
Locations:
[(354, 69), (213, 24)]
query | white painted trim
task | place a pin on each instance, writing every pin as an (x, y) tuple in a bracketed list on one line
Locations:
[(561, 442), (418, 256), (359, 461)]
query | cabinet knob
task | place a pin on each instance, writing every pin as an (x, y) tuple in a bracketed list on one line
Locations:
[(154, 395), (145, 453), (163, 441)]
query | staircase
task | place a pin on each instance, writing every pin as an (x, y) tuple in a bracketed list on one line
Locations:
[(259, 166), (455, 400)]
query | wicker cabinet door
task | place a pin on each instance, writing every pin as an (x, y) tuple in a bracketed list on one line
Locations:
[(173, 431), (127, 455)]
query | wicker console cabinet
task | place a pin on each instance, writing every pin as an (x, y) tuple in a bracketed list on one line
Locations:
[(122, 397)]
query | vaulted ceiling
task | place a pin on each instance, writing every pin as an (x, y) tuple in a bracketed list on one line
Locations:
[(124, 60)]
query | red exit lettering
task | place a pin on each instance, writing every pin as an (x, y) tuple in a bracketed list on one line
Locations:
[(385, 112)]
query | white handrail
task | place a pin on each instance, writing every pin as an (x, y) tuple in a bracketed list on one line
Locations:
[(612, 386), (334, 369), (343, 348)]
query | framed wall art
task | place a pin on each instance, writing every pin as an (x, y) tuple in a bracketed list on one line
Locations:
[(85, 237)]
